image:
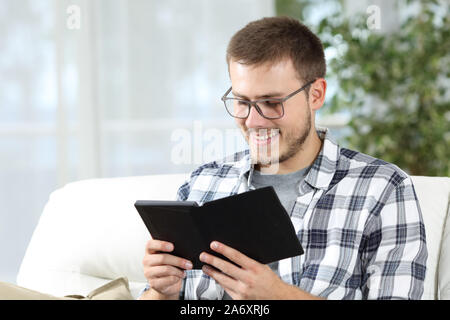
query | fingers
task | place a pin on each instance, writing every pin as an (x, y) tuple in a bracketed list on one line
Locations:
[(154, 246), (224, 266), (160, 259), (154, 257), (234, 255), (164, 271), (159, 264)]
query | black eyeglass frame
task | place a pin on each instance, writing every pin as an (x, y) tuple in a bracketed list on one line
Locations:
[(254, 103)]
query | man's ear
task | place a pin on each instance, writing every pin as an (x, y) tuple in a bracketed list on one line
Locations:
[(317, 94)]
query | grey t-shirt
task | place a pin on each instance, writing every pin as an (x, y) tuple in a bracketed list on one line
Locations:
[(286, 187)]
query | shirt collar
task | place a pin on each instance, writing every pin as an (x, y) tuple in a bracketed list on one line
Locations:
[(324, 166), (322, 169)]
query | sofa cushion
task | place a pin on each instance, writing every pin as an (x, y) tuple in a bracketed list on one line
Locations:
[(444, 262), (433, 193)]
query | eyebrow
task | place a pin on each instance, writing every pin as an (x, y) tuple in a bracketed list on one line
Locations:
[(268, 95)]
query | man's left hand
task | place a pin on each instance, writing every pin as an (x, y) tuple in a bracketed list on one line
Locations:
[(251, 281)]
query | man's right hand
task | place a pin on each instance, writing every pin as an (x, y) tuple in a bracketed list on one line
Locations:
[(164, 272)]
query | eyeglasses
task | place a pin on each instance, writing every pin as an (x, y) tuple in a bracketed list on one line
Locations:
[(271, 108)]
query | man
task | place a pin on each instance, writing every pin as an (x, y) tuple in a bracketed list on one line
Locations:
[(357, 217)]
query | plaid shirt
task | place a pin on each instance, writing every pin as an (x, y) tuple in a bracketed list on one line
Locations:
[(357, 218)]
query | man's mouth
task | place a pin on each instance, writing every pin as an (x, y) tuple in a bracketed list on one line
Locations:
[(264, 136)]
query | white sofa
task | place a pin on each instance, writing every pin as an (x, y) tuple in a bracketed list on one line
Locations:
[(90, 233)]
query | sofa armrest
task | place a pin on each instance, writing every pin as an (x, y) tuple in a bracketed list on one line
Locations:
[(90, 233)]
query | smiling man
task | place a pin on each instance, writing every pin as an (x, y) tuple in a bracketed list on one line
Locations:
[(357, 217)]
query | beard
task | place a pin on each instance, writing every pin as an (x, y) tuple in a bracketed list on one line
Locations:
[(274, 153), (296, 140)]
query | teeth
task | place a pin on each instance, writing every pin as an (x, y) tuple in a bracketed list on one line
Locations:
[(265, 137)]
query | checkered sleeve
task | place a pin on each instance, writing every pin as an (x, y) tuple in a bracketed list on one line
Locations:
[(395, 254)]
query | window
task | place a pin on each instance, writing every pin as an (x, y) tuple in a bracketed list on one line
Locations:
[(107, 99)]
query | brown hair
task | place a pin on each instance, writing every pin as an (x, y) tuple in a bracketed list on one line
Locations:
[(276, 38)]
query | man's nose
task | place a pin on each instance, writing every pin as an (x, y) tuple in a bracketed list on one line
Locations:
[(255, 120)]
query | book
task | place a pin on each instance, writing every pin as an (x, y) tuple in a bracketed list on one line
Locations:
[(254, 222)]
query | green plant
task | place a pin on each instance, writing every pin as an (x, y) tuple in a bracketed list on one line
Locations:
[(394, 85)]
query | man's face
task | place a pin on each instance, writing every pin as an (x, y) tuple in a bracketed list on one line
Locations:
[(272, 141)]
